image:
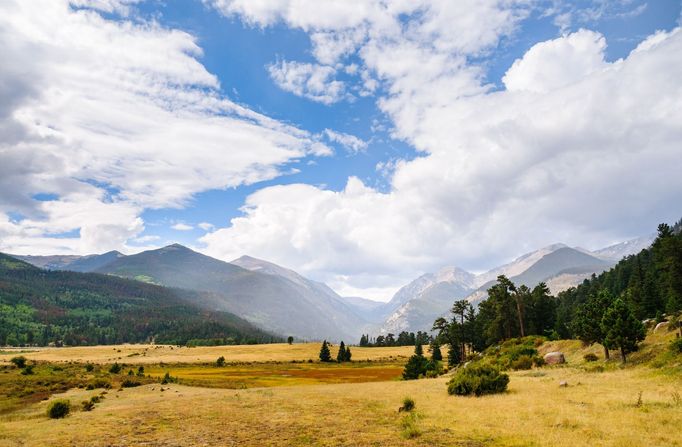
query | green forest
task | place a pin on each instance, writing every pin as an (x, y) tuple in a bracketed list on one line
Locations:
[(40, 307), (607, 309)]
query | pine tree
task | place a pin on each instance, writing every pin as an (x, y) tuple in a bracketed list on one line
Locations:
[(621, 329), (341, 355), (325, 355), (417, 364), (418, 350), (587, 323), (348, 354), (436, 355)]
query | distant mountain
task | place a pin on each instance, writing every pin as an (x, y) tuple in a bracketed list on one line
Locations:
[(617, 252), (562, 260), (52, 262), (88, 263), (41, 307), (265, 294), (418, 304), (430, 296)]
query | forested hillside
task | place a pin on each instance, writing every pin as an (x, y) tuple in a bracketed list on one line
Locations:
[(41, 307), (605, 309), (650, 282)]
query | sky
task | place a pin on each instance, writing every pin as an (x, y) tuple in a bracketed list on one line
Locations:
[(359, 143)]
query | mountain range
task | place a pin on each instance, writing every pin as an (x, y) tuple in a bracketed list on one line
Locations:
[(284, 302)]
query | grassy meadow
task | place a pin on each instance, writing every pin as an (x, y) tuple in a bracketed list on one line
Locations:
[(258, 402)]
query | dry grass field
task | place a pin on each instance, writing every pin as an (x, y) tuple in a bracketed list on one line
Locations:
[(603, 405), (149, 354)]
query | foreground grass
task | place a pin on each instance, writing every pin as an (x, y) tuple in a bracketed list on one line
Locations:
[(148, 354), (595, 409), (604, 404)]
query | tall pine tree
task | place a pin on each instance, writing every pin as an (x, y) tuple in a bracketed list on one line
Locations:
[(325, 354), (621, 329)]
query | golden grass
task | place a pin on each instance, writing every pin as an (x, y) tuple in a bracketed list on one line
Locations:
[(594, 410), (278, 374), (620, 407), (149, 354)]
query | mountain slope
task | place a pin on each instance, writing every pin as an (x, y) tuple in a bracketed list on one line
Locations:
[(72, 263), (40, 307), (285, 303), (617, 252), (418, 304)]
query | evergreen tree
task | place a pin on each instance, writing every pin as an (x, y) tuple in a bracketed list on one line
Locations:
[(436, 355), (341, 355), (348, 354), (325, 355), (417, 364), (621, 329), (290, 339), (587, 323)]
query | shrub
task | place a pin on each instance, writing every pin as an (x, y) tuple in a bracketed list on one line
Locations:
[(410, 428), (523, 362), (115, 368), (27, 371), (167, 378), (88, 405), (59, 409), (98, 383), (130, 383), (408, 404), (590, 357), (89, 367), (676, 346), (19, 362), (478, 380), (220, 361), (140, 371)]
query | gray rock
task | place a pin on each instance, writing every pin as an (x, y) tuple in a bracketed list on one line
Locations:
[(554, 358), (661, 325)]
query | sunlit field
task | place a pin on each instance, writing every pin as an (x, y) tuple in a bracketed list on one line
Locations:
[(256, 402), (148, 354)]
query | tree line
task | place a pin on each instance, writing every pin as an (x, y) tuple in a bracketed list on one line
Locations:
[(607, 309), (404, 339)]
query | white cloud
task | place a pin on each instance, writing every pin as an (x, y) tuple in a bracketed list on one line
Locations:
[(113, 117), (594, 158), (182, 227), (312, 81), (206, 226), (556, 63), (352, 143)]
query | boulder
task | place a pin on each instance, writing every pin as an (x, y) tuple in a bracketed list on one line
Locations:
[(661, 325), (554, 358), (563, 384)]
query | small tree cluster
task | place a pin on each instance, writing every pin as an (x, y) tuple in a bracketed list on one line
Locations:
[(344, 354)]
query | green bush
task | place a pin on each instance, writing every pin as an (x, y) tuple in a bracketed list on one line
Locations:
[(89, 367), (98, 383), (523, 362), (58, 409), (19, 362), (27, 371), (115, 368), (220, 362), (676, 346), (408, 404), (130, 383), (88, 405), (478, 379), (590, 357)]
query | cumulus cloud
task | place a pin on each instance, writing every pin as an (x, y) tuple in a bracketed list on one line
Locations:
[(352, 143), (111, 117), (182, 227), (576, 149), (312, 81), (556, 63)]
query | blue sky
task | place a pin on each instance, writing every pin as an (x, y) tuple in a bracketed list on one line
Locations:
[(361, 144), (239, 54)]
